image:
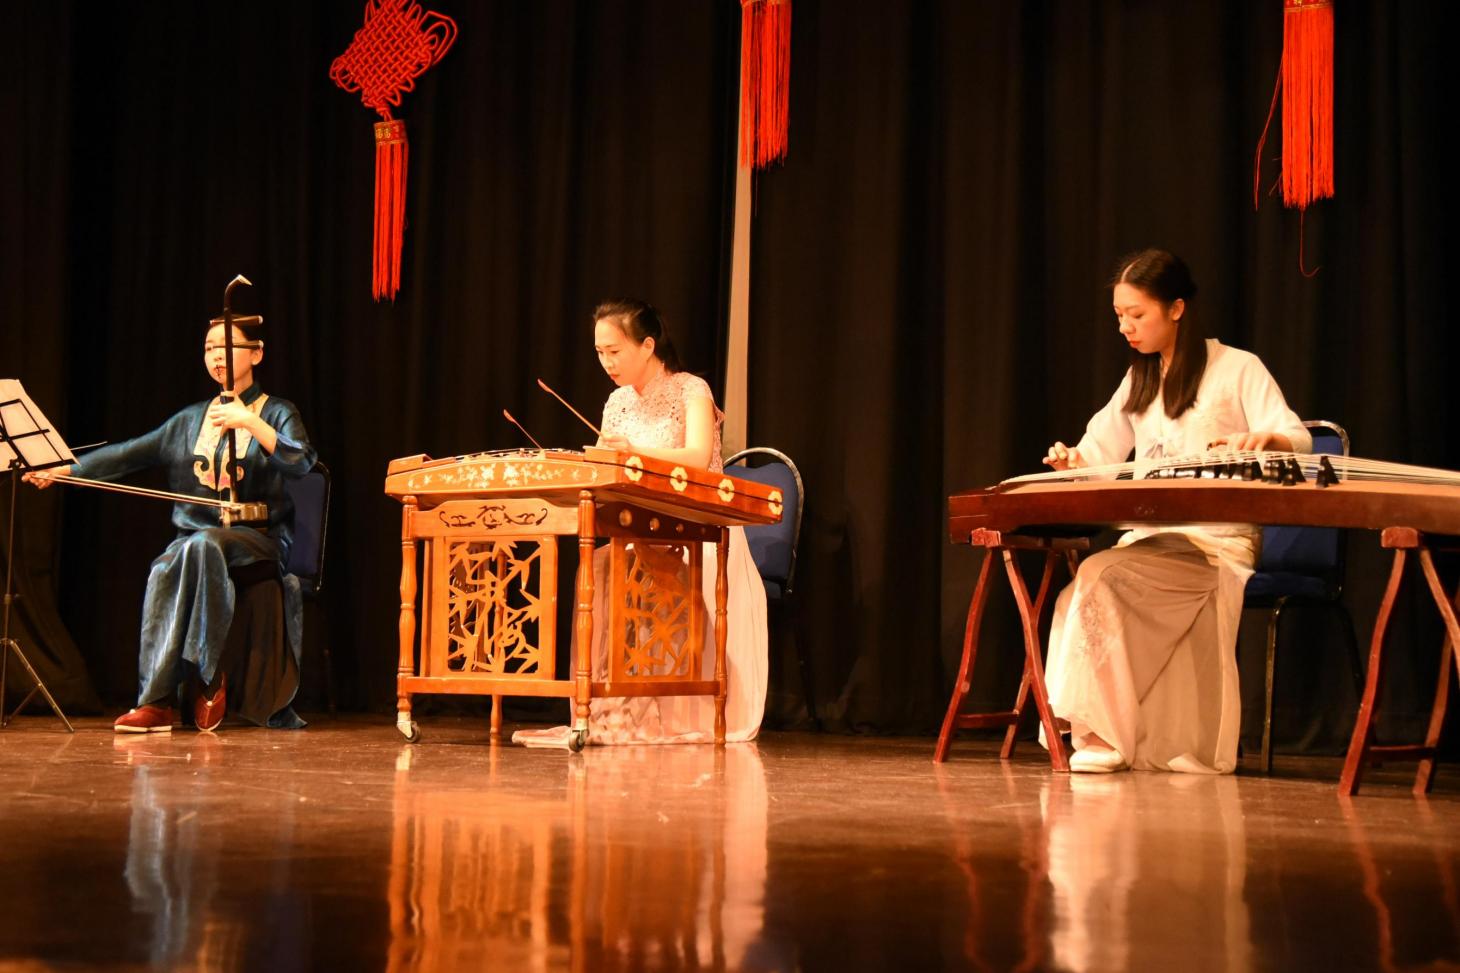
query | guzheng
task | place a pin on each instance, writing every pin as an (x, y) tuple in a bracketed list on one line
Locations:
[(1416, 508), (1368, 494), (485, 530)]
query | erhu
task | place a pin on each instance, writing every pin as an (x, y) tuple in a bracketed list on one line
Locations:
[(231, 511)]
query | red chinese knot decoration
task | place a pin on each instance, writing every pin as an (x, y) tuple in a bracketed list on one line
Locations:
[(397, 44), (765, 81)]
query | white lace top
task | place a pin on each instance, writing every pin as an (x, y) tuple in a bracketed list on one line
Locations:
[(657, 418)]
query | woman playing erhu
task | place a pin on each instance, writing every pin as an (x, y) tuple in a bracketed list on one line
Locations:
[(188, 606)]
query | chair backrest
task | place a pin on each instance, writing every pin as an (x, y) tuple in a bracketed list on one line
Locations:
[(311, 496), (1312, 551), (773, 546)]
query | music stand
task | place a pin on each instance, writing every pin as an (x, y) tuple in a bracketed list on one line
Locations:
[(27, 443)]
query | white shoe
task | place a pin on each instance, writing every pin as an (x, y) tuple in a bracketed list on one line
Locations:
[(1097, 762)]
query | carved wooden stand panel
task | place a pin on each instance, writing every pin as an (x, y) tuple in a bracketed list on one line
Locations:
[(490, 618), (658, 610)]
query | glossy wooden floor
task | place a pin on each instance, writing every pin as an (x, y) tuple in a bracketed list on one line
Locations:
[(340, 847)]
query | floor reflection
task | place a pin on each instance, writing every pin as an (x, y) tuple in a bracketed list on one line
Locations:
[(1134, 894), (644, 857), (180, 854), (344, 849)]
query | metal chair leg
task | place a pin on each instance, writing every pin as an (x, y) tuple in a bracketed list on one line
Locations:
[(801, 663), (1271, 678)]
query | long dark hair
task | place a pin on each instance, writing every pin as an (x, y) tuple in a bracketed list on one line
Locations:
[(639, 320), (1165, 277)]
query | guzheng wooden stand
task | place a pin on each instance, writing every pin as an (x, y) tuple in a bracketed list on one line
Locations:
[(1003, 547), (1362, 749), (486, 530)]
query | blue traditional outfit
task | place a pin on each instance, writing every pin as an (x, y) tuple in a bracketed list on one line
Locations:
[(189, 604)]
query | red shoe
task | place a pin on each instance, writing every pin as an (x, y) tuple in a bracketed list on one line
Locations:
[(208, 713), (146, 719)]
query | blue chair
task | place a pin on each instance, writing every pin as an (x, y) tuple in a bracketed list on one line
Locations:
[(259, 599), (1301, 565), (773, 547), (311, 496)]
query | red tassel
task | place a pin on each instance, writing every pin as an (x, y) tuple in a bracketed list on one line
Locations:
[(765, 81), (391, 151), (1307, 102), (1306, 78)]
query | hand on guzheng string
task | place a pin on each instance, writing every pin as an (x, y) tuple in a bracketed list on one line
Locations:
[(1062, 457), (1243, 442), (47, 478)]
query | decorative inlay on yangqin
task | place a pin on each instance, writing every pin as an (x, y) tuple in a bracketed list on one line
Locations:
[(500, 598), (490, 516)]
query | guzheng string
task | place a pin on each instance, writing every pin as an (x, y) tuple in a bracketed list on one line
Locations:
[(1346, 467), (137, 491)]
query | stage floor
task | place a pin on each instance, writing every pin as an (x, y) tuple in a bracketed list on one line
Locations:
[(342, 847)]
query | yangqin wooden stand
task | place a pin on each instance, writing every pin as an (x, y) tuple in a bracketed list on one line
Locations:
[(485, 529), (1414, 516)]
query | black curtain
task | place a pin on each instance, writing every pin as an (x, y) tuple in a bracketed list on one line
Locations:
[(928, 301), (928, 306)]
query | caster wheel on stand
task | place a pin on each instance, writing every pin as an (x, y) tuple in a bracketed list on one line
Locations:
[(410, 731), (578, 741)]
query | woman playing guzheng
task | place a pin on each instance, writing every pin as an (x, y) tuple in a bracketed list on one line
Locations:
[(188, 606), (663, 412), (1142, 656)]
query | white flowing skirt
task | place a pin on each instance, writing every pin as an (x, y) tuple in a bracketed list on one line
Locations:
[(684, 719), (1142, 652)]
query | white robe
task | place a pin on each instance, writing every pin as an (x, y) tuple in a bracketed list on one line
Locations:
[(1142, 651)]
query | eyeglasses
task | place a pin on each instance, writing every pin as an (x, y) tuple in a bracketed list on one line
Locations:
[(209, 347)]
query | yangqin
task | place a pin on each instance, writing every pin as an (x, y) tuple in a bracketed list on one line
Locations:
[(485, 531)]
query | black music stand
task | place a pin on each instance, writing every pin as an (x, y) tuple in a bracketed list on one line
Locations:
[(27, 443)]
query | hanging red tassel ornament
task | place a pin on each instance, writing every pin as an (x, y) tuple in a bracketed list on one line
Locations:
[(1306, 79), (765, 80), (395, 47), (391, 156)]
